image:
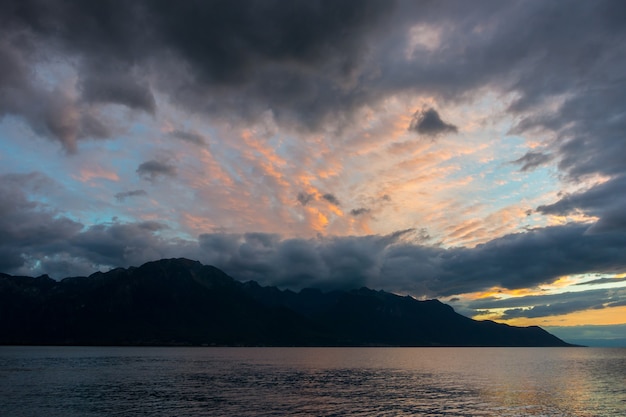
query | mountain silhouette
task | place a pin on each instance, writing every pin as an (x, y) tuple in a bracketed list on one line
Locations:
[(174, 302)]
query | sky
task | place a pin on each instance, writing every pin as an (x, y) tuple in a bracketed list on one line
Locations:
[(473, 152)]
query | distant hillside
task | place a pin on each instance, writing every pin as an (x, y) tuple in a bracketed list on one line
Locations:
[(182, 302)]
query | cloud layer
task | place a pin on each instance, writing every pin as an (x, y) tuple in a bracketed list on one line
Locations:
[(35, 235)]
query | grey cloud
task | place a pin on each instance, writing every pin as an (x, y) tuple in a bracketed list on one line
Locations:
[(590, 135), (63, 119), (547, 310), (305, 198), (191, 137), (108, 84), (126, 194), (64, 248), (619, 303), (331, 199), (329, 263), (605, 201), (594, 198), (359, 211), (152, 226), (532, 160), (400, 263), (152, 170), (553, 304), (584, 73), (538, 256), (427, 122), (51, 113), (126, 244), (25, 222), (28, 227), (602, 281), (213, 57), (513, 261), (588, 298)]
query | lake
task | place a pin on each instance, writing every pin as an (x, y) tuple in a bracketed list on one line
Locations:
[(133, 381)]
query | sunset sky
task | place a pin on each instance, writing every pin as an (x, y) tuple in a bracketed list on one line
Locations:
[(470, 151)]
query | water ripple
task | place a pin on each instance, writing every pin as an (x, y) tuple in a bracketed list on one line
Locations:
[(311, 382)]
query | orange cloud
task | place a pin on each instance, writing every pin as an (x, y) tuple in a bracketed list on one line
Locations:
[(198, 224), (213, 172)]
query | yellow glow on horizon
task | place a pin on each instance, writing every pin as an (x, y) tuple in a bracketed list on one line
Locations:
[(561, 282), (565, 283), (501, 293), (605, 316), (494, 292)]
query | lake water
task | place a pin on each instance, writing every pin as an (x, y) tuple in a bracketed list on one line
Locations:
[(123, 381)]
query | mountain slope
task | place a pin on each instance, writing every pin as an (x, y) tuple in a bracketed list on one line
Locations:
[(364, 316), (182, 302)]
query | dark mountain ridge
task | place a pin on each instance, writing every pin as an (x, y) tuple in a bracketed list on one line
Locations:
[(182, 302)]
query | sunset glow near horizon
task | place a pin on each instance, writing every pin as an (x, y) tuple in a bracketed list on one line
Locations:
[(473, 152)]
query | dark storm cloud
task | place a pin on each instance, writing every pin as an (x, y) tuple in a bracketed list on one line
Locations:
[(533, 160), (513, 261), (108, 84), (527, 259), (126, 194), (427, 122), (331, 199), (305, 198), (255, 32), (190, 137), (152, 170), (212, 57), (401, 263), (329, 263), (312, 62)]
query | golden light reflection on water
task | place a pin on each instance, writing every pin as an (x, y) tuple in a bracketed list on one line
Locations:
[(565, 386)]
